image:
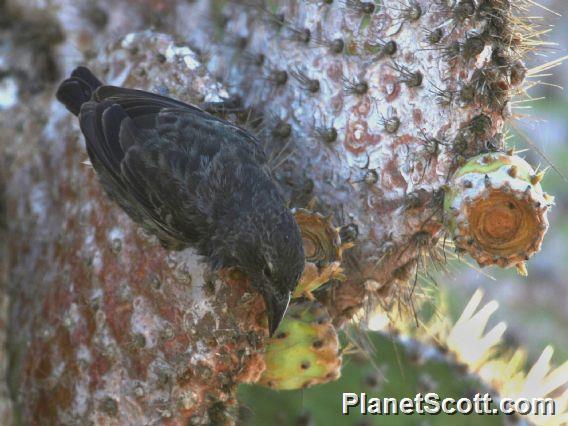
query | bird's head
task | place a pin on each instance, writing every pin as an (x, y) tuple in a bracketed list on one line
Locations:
[(268, 249)]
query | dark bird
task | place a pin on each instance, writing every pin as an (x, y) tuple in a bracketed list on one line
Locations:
[(193, 180)]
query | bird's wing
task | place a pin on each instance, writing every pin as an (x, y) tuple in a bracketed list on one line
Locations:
[(152, 153), (138, 104)]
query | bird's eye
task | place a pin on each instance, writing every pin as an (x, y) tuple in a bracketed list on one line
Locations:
[(267, 269)]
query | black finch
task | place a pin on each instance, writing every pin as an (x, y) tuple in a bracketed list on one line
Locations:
[(193, 180)]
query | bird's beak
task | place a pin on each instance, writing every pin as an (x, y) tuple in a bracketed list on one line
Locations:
[(276, 307)]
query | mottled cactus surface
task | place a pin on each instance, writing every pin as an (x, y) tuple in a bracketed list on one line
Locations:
[(115, 329), (382, 104), (385, 125)]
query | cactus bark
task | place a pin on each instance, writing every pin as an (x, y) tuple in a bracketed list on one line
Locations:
[(367, 109)]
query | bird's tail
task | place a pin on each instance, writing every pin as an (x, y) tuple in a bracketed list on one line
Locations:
[(77, 89)]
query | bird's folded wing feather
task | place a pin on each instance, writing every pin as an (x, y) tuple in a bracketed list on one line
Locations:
[(153, 153)]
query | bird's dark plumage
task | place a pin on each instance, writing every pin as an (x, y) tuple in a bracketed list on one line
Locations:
[(192, 179)]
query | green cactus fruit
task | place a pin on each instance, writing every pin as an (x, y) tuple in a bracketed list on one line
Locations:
[(304, 352), (495, 210)]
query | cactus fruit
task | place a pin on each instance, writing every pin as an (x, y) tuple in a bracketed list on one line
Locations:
[(305, 350), (401, 367), (323, 250), (496, 210), (452, 359)]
